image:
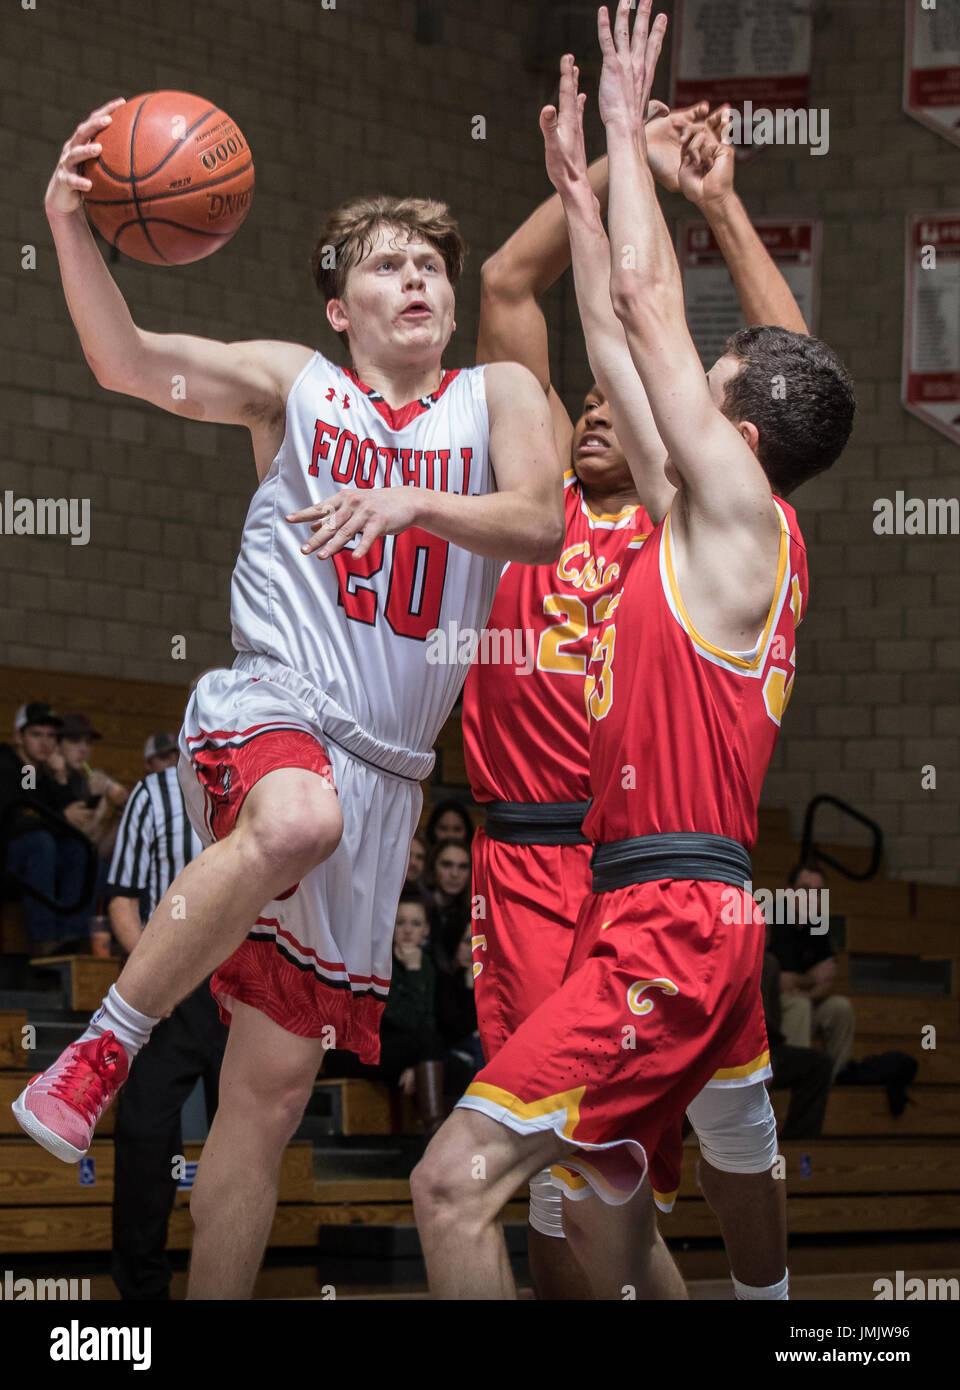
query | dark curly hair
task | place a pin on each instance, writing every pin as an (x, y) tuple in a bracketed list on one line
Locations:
[(804, 425)]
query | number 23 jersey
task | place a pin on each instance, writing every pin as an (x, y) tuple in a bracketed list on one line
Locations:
[(358, 629), (524, 722)]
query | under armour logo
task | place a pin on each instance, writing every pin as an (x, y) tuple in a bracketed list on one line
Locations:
[(334, 395)]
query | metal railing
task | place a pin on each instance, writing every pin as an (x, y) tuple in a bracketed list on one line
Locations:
[(810, 850)]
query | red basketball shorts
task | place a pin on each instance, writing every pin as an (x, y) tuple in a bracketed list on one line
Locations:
[(527, 899), (660, 998)]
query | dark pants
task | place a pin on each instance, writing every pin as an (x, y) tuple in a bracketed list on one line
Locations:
[(807, 1073), (400, 1048), (53, 866), (186, 1047)]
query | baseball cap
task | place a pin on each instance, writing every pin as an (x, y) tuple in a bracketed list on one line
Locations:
[(36, 712), (78, 726), (159, 743)]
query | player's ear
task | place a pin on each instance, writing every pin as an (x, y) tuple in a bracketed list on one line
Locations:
[(337, 316), (750, 433)]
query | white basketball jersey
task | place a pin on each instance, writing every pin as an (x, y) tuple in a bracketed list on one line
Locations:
[(358, 629)]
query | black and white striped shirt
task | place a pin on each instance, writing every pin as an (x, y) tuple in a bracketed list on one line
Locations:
[(155, 840)]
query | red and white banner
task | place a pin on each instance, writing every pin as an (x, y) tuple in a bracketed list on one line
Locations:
[(713, 310), (755, 51), (931, 73), (930, 386)]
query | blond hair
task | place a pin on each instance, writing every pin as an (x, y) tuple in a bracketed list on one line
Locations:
[(351, 230)]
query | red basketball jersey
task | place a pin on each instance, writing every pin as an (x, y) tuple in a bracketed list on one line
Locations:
[(681, 733), (524, 724)]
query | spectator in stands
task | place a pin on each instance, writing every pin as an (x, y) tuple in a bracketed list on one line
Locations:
[(808, 969), (162, 750), (154, 843), (448, 878), (416, 865), (457, 1017), (805, 1070), (44, 856), (103, 798), (411, 1048), (449, 820)]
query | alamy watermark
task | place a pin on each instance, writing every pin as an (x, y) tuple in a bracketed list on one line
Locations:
[(454, 645), (46, 516), (785, 906), (14, 1290), (782, 126)]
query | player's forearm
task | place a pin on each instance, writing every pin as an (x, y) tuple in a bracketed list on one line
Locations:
[(108, 335), (124, 914), (645, 284), (538, 252), (765, 297), (609, 355), (504, 525)]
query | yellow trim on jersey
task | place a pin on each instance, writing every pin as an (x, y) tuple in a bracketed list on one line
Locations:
[(734, 1073), (637, 542), (692, 632), (569, 474), (629, 510), (568, 1101)]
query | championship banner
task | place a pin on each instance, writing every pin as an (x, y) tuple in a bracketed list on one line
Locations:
[(931, 328), (753, 55), (713, 311), (931, 73)]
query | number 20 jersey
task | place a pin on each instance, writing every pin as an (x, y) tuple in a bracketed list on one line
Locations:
[(358, 629)]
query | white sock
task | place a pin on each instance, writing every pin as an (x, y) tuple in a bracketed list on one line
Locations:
[(751, 1291), (131, 1028)]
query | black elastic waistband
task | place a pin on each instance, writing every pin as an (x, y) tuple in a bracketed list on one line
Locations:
[(536, 822), (678, 855)]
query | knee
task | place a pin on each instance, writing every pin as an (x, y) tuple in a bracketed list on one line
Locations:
[(736, 1128), (445, 1185), (835, 1011), (293, 838)]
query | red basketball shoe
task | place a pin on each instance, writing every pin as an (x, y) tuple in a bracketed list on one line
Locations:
[(60, 1107)]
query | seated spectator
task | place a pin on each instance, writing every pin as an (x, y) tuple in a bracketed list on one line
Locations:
[(162, 750), (457, 1017), (808, 968), (448, 879), (411, 1048), (416, 864), (805, 1070), (449, 820), (51, 861), (103, 798)]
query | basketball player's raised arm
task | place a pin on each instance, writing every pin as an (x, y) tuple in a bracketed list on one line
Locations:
[(722, 479), (607, 348), (706, 176), (226, 383)]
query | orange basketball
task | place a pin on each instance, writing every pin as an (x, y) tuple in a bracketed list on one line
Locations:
[(173, 180)]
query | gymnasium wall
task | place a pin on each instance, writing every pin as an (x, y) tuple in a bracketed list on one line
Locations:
[(344, 100)]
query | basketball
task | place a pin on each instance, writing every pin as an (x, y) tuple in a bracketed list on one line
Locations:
[(173, 181)]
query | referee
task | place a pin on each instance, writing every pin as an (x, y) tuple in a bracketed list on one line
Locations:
[(154, 842)]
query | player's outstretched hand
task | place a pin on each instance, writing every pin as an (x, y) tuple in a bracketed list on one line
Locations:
[(562, 127), (629, 64), (707, 162), (379, 511), (666, 132), (66, 187)]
